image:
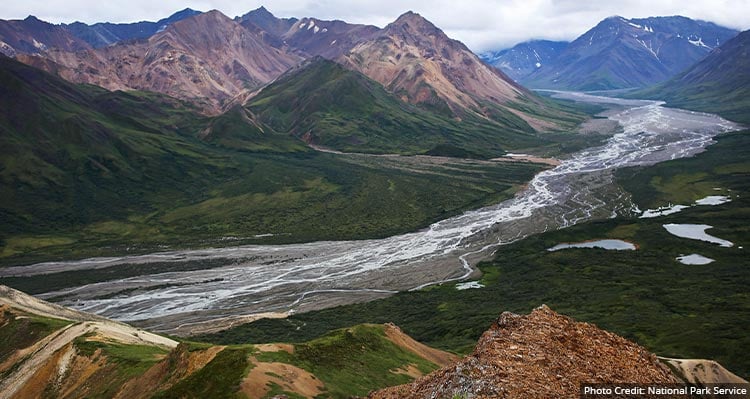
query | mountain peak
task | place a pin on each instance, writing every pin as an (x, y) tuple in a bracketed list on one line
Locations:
[(187, 12), (411, 17), (260, 12), (34, 19), (413, 23)]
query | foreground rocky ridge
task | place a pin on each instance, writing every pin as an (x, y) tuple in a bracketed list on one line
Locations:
[(57, 352), (543, 354)]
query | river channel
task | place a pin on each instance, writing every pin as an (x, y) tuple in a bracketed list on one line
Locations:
[(282, 278)]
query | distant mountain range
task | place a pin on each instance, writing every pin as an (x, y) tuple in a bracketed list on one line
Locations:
[(105, 33), (617, 53), (624, 53), (524, 58), (719, 83)]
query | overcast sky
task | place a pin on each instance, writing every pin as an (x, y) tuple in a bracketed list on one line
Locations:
[(482, 25)]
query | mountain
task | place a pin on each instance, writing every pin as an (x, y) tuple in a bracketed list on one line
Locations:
[(217, 63), (262, 19), (524, 58), (34, 36), (105, 33), (719, 83), (208, 58), (625, 53), (540, 355), (417, 62), (325, 104)]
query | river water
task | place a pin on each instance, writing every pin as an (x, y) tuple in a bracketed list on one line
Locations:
[(255, 279)]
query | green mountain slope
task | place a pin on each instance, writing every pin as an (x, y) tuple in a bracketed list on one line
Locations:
[(325, 104), (720, 83)]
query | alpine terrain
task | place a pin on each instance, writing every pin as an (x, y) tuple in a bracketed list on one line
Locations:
[(624, 53), (196, 204)]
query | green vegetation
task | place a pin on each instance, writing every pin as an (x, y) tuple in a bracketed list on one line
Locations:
[(19, 330), (119, 364), (645, 295), (326, 104), (720, 83), (353, 361), (130, 360), (220, 378), (86, 172)]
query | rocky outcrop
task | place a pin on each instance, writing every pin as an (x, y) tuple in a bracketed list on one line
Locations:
[(540, 355)]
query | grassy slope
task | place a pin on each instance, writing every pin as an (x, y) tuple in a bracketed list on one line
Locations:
[(645, 295), (720, 83), (353, 361), (19, 330), (220, 378), (85, 172)]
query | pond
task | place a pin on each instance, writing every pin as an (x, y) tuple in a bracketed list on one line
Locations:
[(618, 245)]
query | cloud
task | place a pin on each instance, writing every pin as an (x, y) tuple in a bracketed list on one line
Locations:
[(481, 24)]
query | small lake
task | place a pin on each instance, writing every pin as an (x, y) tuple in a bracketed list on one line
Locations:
[(617, 245), (696, 232), (694, 259)]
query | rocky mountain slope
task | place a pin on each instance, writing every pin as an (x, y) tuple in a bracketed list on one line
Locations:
[(542, 354), (40, 341), (34, 36), (308, 37), (624, 53), (50, 351), (719, 83), (415, 60), (524, 58), (208, 58)]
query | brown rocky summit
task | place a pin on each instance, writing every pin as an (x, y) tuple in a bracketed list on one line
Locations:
[(540, 355)]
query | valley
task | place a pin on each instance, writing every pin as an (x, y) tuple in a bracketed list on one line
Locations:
[(204, 285), (263, 206)]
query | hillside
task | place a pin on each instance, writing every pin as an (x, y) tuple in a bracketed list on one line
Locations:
[(327, 105), (624, 53), (719, 83)]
